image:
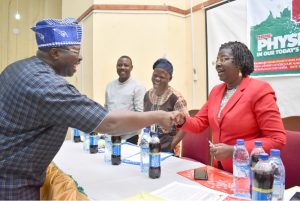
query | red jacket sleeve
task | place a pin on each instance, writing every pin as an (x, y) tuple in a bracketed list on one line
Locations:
[(197, 123), (268, 118)]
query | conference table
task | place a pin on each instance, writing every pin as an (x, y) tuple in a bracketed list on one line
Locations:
[(103, 181)]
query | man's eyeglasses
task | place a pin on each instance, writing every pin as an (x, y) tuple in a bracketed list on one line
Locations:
[(221, 60), (69, 50)]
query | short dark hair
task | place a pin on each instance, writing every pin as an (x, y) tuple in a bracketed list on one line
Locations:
[(126, 57), (242, 56)]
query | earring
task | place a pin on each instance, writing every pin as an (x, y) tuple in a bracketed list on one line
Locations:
[(240, 74)]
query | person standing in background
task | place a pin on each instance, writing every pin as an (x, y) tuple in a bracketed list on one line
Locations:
[(37, 105), (125, 93), (239, 108), (164, 97)]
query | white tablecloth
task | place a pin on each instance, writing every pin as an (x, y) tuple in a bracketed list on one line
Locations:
[(103, 181)]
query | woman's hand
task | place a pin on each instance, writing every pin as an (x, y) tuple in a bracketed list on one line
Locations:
[(221, 151)]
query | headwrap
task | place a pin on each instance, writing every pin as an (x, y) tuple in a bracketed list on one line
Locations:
[(57, 32), (164, 64)]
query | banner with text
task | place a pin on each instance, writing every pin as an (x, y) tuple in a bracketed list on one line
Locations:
[(274, 36)]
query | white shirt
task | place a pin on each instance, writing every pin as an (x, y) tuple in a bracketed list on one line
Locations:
[(128, 95)]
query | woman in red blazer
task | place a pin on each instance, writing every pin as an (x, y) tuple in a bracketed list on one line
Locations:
[(240, 108)]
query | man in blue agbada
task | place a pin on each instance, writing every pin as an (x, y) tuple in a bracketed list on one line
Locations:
[(37, 105)]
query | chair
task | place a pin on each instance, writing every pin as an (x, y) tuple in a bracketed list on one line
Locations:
[(291, 123), (290, 151), (195, 146), (290, 159)]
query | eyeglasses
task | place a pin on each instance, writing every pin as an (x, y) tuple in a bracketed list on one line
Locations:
[(221, 60), (69, 50)]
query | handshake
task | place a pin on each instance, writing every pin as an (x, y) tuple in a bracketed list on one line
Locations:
[(169, 119)]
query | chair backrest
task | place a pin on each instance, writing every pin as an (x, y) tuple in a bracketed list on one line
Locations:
[(291, 123), (196, 146), (193, 112), (291, 160)]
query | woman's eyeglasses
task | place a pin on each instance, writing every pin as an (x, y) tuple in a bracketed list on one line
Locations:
[(222, 60)]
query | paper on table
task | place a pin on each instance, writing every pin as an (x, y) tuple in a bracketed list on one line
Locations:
[(181, 191), (136, 159), (143, 197), (127, 149), (288, 193), (217, 179), (130, 153)]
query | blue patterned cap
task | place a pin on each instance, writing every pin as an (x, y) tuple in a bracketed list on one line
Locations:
[(57, 32)]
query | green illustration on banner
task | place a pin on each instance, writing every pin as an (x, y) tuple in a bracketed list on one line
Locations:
[(275, 44)]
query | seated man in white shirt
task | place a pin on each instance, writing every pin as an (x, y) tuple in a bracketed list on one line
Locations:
[(125, 93)]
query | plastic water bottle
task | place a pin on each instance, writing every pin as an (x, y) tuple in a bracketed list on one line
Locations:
[(279, 174), (144, 146), (241, 170), (154, 156), (86, 142), (107, 151), (257, 149), (263, 177), (81, 136)]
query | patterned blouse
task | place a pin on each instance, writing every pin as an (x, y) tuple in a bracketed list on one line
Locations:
[(226, 97), (170, 100)]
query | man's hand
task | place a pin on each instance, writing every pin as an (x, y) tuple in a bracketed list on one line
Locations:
[(179, 118), (168, 119), (221, 151)]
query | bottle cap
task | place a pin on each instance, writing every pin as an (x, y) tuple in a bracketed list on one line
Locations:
[(240, 142), (275, 152), (263, 156), (258, 143), (146, 130)]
